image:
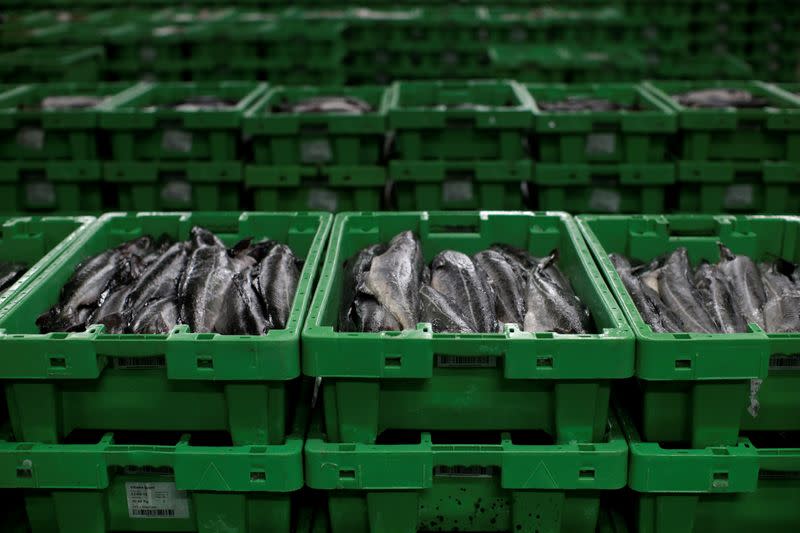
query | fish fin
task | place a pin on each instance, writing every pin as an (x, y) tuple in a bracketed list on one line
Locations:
[(240, 246), (46, 321), (549, 260), (725, 252)]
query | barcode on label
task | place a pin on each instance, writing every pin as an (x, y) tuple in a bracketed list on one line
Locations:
[(784, 362), (466, 361), (465, 471), (156, 500), (139, 363)]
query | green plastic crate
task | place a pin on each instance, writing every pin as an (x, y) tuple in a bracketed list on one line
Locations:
[(690, 387), (567, 64), (37, 242), (448, 185), (451, 484), (339, 139), (175, 186), (510, 380), (66, 187), (47, 65), (637, 136), (749, 484), (325, 188), (29, 132), (588, 188), (771, 133), (142, 130), (115, 481), (383, 27), (467, 120), (563, 23), (381, 66), (58, 382), (739, 187), (703, 66)]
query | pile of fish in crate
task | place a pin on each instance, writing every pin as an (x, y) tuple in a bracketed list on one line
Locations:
[(415, 371)]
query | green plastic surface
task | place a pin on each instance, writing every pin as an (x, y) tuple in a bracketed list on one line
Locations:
[(47, 186), (58, 382), (603, 188), (636, 136), (436, 120), (448, 185), (722, 488), (26, 65), (141, 130), (317, 138), (325, 188), (771, 133), (493, 486), (696, 387), (511, 380), (112, 482)]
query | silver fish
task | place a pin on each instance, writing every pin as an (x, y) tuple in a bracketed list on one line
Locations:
[(782, 308), (368, 315), (506, 283), (715, 294), (657, 315), (160, 316), (442, 312), (276, 282), (354, 270), (244, 314), (160, 280), (677, 291), (551, 307), (454, 275), (394, 279), (746, 285), (9, 273), (203, 290)]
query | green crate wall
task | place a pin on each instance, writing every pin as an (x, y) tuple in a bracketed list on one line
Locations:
[(396, 382), (50, 64), (57, 382)]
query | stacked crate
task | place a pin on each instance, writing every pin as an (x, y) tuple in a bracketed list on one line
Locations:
[(50, 149), (710, 418), (177, 145), (459, 145), (736, 159), (176, 431), (484, 432), (601, 161), (318, 159)]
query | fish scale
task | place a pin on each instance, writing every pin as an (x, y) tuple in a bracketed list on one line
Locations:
[(454, 275), (677, 291)]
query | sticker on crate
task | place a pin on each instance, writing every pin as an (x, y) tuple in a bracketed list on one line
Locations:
[(156, 500)]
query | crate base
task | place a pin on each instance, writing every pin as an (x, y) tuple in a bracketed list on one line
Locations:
[(51, 186), (164, 186)]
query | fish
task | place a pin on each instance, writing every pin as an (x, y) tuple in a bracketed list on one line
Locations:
[(10, 273), (244, 312), (112, 312), (76, 101), (454, 275), (325, 104), (582, 103), (203, 289), (160, 316), (276, 283), (782, 307), (506, 283), (442, 312), (715, 294), (720, 98), (160, 280), (199, 237), (746, 284), (552, 307), (394, 279), (676, 289), (648, 273), (654, 312), (354, 270), (368, 315)]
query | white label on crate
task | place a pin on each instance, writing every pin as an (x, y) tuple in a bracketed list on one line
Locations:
[(177, 141), (316, 151), (464, 471), (323, 199), (156, 500), (605, 200), (738, 196), (40, 194), (466, 361), (177, 192), (601, 143), (457, 191), (32, 138)]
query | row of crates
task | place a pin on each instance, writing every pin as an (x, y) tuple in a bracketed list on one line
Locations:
[(193, 431), (375, 45), (421, 145)]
